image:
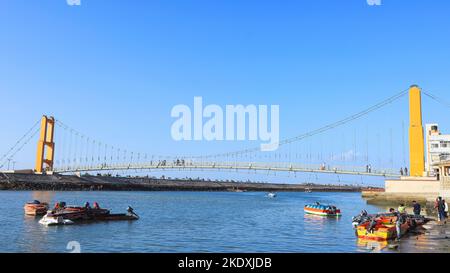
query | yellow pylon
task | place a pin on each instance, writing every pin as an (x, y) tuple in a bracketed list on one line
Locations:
[(46, 146), (416, 135)]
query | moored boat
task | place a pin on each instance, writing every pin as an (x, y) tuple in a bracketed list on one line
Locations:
[(69, 215), (322, 210), (382, 227), (35, 208), (380, 231)]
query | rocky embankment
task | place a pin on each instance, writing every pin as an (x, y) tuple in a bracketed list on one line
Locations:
[(75, 183)]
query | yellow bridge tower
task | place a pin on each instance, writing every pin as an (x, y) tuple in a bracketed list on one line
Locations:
[(46, 146), (416, 135)]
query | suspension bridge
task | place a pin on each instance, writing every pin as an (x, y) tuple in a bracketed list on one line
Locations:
[(75, 152)]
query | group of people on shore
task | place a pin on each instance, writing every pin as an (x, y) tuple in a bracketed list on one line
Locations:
[(440, 205), (401, 215)]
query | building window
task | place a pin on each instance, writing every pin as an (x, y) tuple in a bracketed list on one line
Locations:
[(445, 144)]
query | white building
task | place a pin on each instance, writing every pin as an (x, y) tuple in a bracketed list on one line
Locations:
[(438, 148)]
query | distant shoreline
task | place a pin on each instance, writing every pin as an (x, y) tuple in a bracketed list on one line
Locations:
[(27, 182)]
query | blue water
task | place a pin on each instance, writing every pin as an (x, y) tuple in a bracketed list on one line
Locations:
[(188, 222)]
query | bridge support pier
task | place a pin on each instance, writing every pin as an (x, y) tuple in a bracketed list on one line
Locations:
[(46, 146), (416, 135)]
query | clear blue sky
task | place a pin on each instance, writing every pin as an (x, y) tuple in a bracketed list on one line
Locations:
[(114, 69)]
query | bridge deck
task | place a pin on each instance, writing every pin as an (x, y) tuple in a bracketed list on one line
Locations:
[(189, 166)]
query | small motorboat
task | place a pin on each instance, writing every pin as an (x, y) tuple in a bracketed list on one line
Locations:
[(48, 220), (35, 208), (271, 195), (308, 190), (70, 215), (322, 210)]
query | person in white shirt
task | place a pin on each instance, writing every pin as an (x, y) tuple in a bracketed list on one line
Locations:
[(445, 209)]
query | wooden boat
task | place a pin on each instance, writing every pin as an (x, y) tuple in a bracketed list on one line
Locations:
[(382, 231), (385, 225), (35, 208), (322, 210)]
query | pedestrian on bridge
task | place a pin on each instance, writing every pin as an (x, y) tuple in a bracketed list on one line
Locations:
[(401, 171)]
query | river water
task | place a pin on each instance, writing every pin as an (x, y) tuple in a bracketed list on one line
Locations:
[(190, 222)]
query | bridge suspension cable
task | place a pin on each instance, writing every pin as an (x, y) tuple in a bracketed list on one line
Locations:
[(437, 99), (319, 130), (18, 146), (79, 148)]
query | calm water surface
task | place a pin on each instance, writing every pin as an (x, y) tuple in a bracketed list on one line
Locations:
[(189, 222)]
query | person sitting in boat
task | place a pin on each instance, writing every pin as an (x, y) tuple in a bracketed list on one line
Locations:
[(96, 205), (317, 204), (332, 209), (364, 213), (87, 205)]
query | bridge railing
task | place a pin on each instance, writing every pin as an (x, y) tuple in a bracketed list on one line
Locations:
[(191, 164)]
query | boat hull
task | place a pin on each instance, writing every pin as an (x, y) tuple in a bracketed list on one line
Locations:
[(381, 232), (35, 209), (322, 212)]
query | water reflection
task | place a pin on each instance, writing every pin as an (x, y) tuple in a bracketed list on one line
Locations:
[(43, 196), (35, 235), (372, 245)]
